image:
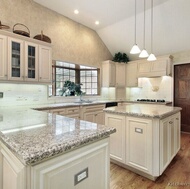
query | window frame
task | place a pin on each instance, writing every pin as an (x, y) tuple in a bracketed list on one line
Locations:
[(77, 76)]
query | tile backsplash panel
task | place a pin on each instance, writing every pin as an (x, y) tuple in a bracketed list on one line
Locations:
[(23, 94), (152, 88)]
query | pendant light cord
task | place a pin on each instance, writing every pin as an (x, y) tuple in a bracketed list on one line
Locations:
[(135, 20), (151, 26), (144, 27)]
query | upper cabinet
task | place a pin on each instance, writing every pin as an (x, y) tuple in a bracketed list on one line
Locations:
[(120, 74), (131, 74), (3, 57), (160, 67), (28, 60), (113, 74), (108, 74)]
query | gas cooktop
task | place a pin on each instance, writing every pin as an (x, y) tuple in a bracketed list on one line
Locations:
[(152, 100)]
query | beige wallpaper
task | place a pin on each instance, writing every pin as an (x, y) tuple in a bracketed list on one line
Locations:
[(71, 41)]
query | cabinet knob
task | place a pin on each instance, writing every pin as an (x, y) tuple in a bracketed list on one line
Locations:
[(170, 122), (177, 118)]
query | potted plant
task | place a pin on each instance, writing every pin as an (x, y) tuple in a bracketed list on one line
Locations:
[(70, 89), (121, 57)]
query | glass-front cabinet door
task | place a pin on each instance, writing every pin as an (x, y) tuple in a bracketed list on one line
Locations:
[(15, 59), (31, 61)]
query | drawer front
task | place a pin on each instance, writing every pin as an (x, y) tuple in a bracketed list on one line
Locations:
[(61, 111), (73, 110), (93, 108)]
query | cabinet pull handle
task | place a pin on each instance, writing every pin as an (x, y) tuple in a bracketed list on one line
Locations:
[(138, 130), (170, 122)]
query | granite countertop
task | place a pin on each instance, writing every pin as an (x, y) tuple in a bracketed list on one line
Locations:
[(144, 110), (35, 136)]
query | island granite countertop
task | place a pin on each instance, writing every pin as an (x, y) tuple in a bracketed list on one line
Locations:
[(35, 136), (144, 110)]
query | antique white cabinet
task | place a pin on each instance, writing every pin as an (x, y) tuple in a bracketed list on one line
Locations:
[(72, 112), (3, 57), (131, 74), (139, 144), (90, 162), (120, 74), (169, 139), (144, 145), (24, 59), (117, 140), (108, 74), (161, 67), (94, 113)]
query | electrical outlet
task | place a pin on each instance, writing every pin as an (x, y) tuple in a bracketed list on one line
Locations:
[(1, 94), (81, 176)]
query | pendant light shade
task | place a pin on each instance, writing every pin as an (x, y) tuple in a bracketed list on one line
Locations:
[(151, 56), (135, 49), (144, 53)]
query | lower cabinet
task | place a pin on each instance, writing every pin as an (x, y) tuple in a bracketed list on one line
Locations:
[(72, 112), (144, 145), (139, 141), (117, 140), (94, 113), (169, 139), (84, 168)]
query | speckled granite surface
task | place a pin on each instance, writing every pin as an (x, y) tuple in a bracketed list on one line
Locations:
[(35, 136), (144, 110)]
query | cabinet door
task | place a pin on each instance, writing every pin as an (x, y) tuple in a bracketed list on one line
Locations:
[(159, 68), (15, 59), (139, 144), (177, 119), (144, 69), (89, 116), (108, 74), (131, 75), (3, 57), (45, 64), (120, 74), (31, 61), (117, 140), (100, 117)]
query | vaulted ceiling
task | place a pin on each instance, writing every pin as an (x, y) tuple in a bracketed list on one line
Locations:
[(171, 22)]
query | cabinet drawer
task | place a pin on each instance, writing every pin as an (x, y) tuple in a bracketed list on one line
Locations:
[(61, 111), (72, 110), (93, 108)]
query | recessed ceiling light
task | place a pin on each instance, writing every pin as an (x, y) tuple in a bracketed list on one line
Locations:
[(76, 11), (97, 22)]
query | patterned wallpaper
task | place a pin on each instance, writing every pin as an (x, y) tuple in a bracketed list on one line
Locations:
[(71, 41)]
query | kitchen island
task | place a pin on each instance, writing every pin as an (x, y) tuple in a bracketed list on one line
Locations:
[(40, 150), (147, 137)]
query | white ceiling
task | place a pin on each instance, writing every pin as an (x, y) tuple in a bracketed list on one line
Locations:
[(116, 17)]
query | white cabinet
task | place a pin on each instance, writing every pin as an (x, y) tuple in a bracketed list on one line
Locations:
[(61, 172), (72, 112), (117, 140), (45, 66), (3, 57), (169, 139), (94, 113), (24, 59), (120, 74), (160, 67), (13, 172), (131, 74), (139, 144), (108, 74)]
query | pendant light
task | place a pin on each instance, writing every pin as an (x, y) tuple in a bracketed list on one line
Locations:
[(151, 56), (135, 49), (144, 53)]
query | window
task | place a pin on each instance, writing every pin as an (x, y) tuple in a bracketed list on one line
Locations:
[(63, 71)]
